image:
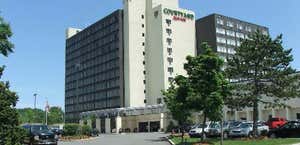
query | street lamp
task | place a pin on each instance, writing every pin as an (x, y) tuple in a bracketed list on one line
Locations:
[(34, 100)]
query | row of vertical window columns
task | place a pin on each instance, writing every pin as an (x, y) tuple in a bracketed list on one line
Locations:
[(144, 55)]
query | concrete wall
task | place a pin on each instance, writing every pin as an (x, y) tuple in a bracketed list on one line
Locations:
[(133, 52)]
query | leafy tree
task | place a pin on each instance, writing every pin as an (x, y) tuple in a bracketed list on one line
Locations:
[(29, 115), (176, 99), (55, 115), (10, 132), (261, 69), (6, 46), (208, 84)]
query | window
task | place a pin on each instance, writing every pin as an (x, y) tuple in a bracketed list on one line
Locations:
[(169, 22), (169, 31), (240, 35), (145, 91), (221, 49), (143, 43), (248, 29), (230, 33), (170, 60), (144, 72), (220, 31), (169, 40), (231, 42), (170, 70), (246, 37), (143, 25), (265, 32), (298, 115), (145, 101), (144, 81), (143, 16), (240, 26), (230, 24), (143, 34), (159, 100), (170, 51), (231, 51), (221, 40), (144, 62), (144, 53), (170, 79), (219, 21), (156, 14), (238, 43)]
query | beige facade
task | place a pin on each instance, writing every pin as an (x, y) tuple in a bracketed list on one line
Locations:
[(154, 50), (292, 112)]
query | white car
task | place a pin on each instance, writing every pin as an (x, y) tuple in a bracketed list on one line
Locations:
[(196, 131)]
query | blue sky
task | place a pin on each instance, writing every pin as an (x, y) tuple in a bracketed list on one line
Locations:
[(37, 66)]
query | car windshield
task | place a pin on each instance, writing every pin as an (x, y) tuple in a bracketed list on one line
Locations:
[(39, 128), (274, 119), (234, 124), (201, 125), (244, 125), (214, 125)]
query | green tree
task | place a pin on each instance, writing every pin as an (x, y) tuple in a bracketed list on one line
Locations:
[(208, 84), (10, 132), (260, 69), (55, 115), (29, 115), (176, 99)]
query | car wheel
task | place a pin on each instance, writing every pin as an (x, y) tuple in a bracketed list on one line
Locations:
[(225, 135), (273, 135)]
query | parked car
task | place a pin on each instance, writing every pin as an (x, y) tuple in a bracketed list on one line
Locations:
[(246, 130), (290, 129), (196, 131), (214, 129), (39, 134), (276, 122), (57, 131), (229, 125)]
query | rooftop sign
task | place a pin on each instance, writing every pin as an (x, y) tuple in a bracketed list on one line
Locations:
[(179, 14)]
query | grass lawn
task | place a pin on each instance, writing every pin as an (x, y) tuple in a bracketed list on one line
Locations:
[(190, 141)]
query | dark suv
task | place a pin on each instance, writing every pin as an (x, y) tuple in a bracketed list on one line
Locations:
[(39, 135)]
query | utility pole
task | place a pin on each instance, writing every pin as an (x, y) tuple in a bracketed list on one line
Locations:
[(46, 112), (34, 100)]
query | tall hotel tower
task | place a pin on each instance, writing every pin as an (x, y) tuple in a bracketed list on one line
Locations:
[(117, 67)]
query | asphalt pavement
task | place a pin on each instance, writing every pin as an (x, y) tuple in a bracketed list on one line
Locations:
[(123, 139)]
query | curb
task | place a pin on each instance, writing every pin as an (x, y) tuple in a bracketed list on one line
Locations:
[(169, 140)]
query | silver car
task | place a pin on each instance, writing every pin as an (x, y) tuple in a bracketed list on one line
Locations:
[(246, 130)]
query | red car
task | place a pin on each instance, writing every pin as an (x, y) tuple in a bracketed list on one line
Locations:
[(276, 122)]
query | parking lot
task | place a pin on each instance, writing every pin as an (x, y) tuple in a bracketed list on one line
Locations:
[(124, 139)]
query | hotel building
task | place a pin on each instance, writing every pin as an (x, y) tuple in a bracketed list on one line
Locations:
[(223, 34), (117, 67)]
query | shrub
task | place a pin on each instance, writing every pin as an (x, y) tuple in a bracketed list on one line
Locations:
[(86, 130), (170, 127), (71, 129)]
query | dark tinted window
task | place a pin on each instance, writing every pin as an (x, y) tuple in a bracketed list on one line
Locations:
[(37, 128), (274, 119)]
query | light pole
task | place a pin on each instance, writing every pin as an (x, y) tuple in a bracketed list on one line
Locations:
[(34, 100), (46, 111)]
